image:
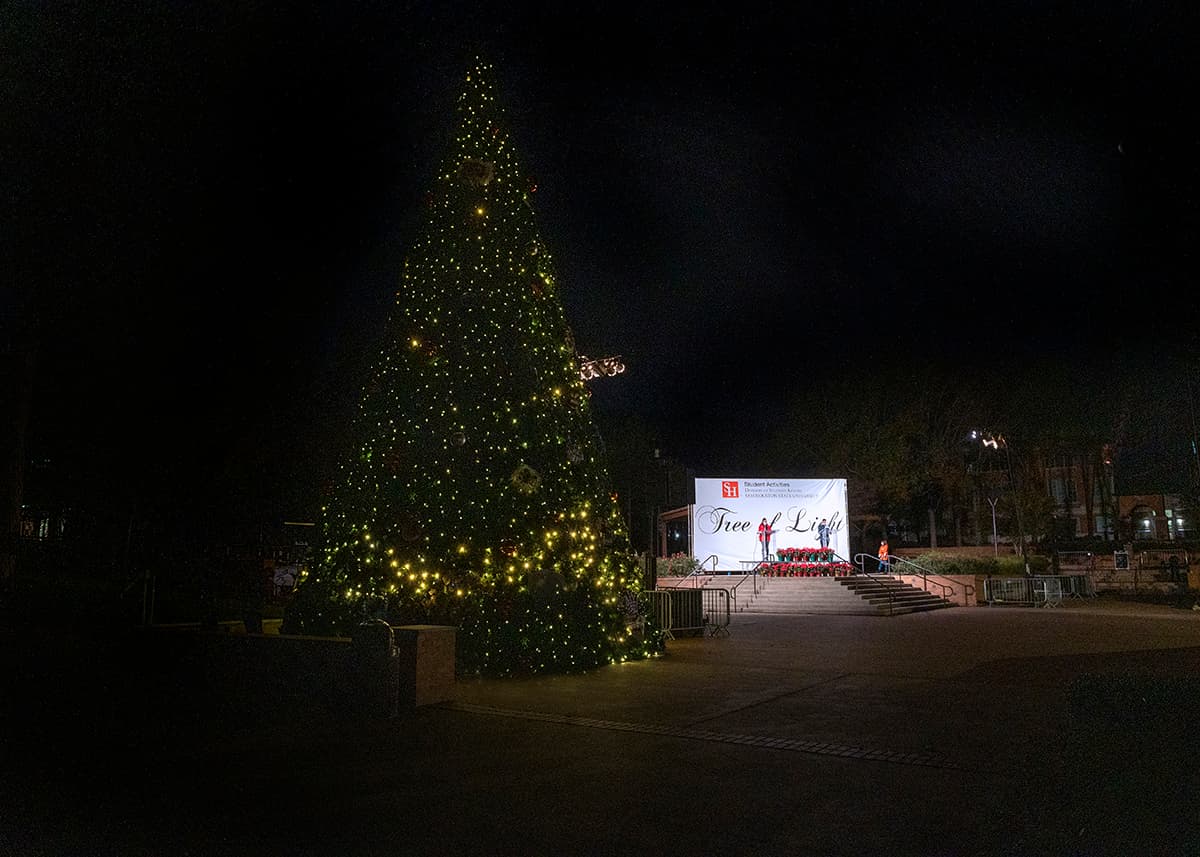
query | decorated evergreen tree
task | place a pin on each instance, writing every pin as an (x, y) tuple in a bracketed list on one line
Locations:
[(477, 496)]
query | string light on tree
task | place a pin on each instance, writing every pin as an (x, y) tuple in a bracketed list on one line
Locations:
[(477, 495)]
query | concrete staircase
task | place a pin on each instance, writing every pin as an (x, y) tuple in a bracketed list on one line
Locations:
[(854, 595)]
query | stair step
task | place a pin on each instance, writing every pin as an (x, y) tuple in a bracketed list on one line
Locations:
[(840, 595)]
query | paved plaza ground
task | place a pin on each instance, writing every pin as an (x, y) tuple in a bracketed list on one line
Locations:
[(955, 732)]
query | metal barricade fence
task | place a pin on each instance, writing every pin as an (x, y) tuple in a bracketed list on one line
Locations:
[(1156, 558), (1048, 590), (1084, 560), (659, 604), (716, 611), (1008, 590), (696, 610), (1164, 566), (1044, 589), (678, 609), (1078, 586)]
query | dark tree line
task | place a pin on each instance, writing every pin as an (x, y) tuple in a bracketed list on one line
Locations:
[(912, 444)]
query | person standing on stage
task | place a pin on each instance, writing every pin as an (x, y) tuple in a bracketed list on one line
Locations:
[(764, 536), (885, 565), (823, 533)]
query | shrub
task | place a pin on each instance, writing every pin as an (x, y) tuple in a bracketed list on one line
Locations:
[(947, 563), (1014, 565), (676, 565), (1008, 565)]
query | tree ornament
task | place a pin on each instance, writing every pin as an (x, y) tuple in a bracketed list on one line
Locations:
[(508, 547), (476, 173), (534, 248), (458, 438), (525, 479), (536, 287), (574, 453), (531, 183)]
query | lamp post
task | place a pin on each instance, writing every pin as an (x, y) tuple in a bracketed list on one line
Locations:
[(996, 441), (992, 501)]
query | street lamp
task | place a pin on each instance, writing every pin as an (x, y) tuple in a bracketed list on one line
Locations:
[(992, 501), (997, 441)]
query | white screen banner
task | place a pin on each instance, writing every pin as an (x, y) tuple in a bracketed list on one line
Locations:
[(728, 512)]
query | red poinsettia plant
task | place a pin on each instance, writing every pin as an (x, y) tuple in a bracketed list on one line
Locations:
[(805, 554), (806, 568)]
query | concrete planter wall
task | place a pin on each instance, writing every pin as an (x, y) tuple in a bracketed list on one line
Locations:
[(273, 675)]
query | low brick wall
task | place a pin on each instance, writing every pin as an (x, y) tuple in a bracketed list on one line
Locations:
[(965, 589)]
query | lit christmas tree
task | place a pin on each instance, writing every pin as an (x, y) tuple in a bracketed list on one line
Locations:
[(478, 496)]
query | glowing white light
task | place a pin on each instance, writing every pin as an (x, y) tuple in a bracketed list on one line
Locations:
[(601, 367)]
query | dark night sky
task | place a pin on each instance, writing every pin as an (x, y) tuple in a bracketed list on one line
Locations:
[(210, 202)]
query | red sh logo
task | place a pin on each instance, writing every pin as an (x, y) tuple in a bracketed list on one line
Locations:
[(729, 489)]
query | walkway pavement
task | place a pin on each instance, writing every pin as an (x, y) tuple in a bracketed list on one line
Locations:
[(966, 731)]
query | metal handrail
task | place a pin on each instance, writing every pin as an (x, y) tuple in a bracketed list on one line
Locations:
[(924, 575), (860, 560), (862, 564), (760, 580), (733, 589), (968, 589), (699, 571), (846, 560)]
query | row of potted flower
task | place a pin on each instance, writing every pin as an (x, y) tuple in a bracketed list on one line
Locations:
[(804, 554), (806, 569)]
